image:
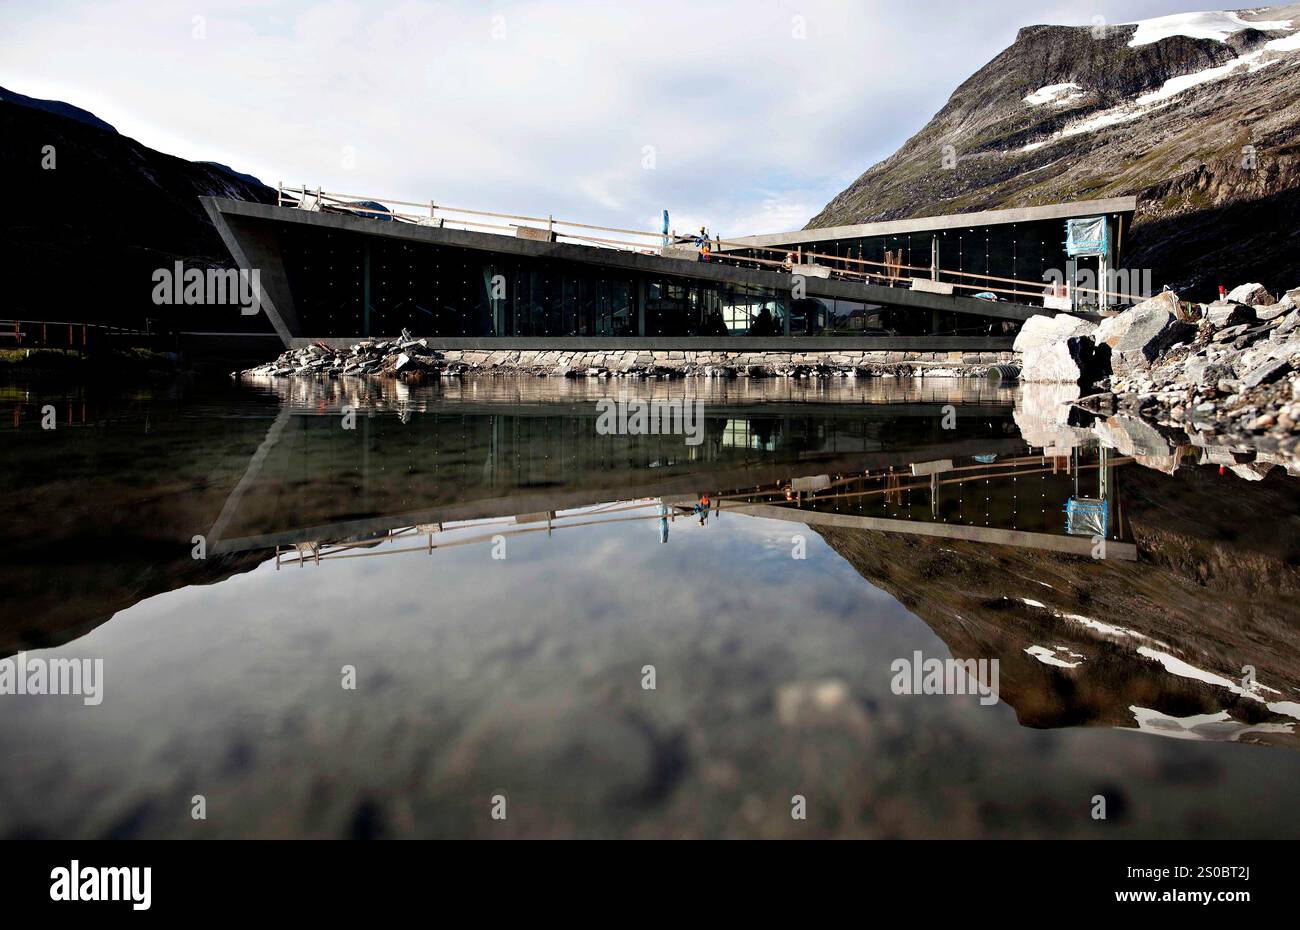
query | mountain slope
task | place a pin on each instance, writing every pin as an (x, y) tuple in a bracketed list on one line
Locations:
[(58, 108), (1201, 123), (82, 239)]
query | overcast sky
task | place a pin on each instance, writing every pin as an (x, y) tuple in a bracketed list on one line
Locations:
[(748, 115)]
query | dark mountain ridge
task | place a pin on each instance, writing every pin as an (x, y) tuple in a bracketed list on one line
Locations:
[(84, 236)]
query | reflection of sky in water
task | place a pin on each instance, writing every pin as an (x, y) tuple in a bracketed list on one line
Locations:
[(522, 677)]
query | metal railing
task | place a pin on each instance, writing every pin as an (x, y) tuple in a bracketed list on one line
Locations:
[(74, 336), (722, 251), (893, 484)]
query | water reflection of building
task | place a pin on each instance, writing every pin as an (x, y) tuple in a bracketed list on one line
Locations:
[(1080, 639), (902, 500), (1016, 500), (468, 457)]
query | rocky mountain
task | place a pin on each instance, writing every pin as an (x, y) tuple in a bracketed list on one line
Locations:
[(90, 214), (1196, 114)]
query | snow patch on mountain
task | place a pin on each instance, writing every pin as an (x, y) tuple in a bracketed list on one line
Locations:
[(1263, 57), (1054, 93), (1048, 657), (1210, 25)]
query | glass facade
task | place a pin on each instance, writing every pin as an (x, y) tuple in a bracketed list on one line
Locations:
[(680, 307), (985, 256), (349, 283), (356, 284), (1024, 251)]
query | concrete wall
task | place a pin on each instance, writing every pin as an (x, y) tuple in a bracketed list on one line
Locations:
[(627, 359)]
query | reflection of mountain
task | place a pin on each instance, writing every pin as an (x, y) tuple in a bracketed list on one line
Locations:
[(1114, 644), (41, 615)]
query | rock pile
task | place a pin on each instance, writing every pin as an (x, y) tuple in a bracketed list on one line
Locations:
[(406, 357), (412, 359), (1229, 369)]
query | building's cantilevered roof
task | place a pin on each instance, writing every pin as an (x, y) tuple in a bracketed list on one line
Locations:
[(923, 224)]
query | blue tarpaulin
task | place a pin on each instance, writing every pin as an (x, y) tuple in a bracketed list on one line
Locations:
[(1087, 236)]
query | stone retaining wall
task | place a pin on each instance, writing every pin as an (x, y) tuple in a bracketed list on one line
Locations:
[(412, 359), (692, 359)]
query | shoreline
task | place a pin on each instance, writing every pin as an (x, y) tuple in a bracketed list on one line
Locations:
[(415, 360), (1225, 374)]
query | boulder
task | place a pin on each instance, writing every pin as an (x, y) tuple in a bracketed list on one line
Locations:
[(1152, 329), (1202, 372), (1272, 311), (1224, 314), (1266, 373), (1041, 330), (1231, 333), (1287, 349), (1289, 324), (1113, 328), (1250, 471), (1076, 360), (1252, 294), (1250, 336)]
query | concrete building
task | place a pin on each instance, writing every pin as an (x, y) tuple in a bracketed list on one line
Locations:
[(936, 284)]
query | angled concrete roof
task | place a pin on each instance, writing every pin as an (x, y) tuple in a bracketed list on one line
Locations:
[(1056, 211)]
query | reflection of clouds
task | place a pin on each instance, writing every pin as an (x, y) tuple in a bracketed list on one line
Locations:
[(525, 672)]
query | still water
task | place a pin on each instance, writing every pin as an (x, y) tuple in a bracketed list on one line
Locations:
[(373, 610)]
